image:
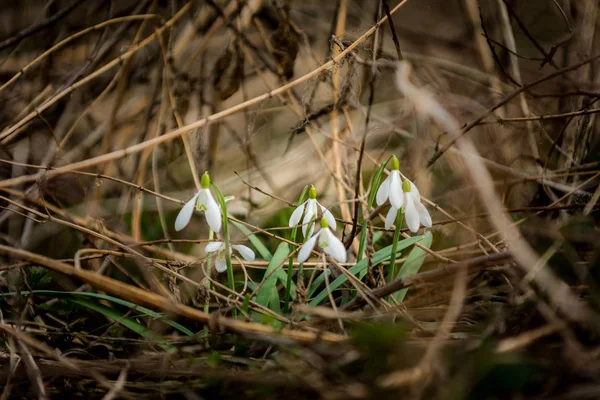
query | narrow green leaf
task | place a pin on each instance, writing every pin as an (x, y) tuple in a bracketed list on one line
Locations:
[(361, 266), (378, 257), (413, 263), (122, 320), (267, 294), (116, 300), (256, 242), (281, 277)]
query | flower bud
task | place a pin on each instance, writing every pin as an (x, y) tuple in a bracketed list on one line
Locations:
[(406, 186), (205, 181), (395, 163), (324, 223)]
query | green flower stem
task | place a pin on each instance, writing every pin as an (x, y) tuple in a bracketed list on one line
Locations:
[(290, 271), (398, 223), (211, 235), (300, 266), (371, 200), (226, 238), (362, 243)]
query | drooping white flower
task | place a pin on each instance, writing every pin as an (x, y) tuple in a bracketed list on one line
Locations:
[(391, 187), (424, 217), (309, 208), (203, 201), (219, 247), (327, 241), (415, 212)]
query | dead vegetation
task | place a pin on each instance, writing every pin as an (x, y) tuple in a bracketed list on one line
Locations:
[(110, 111)]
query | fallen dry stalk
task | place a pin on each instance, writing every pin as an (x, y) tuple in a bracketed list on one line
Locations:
[(428, 276), (557, 291), (142, 297), (187, 128)]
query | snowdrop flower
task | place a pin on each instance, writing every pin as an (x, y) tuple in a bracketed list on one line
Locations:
[(418, 212), (219, 247), (327, 241), (415, 212), (391, 187), (309, 208), (203, 201)]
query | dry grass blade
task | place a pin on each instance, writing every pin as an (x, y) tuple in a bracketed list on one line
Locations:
[(299, 199), (558, 291), (148, 299), (185, 129)]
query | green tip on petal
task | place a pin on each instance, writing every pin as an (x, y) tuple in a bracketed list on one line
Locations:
[(406, 186), (205, 181), (312, 193), (324, 223), (395, 163)]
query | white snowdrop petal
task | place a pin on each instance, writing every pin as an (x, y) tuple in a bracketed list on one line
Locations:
[(211, 247), (296, 215), (311, 210), (202, 199), (220, 265), (184, 216), (335, 248), (411, 215), (309, 215), (245, 251), (213, 213), (390, 218), (415, 192), (310, 231), (323, 239), (383, 191), (396, 193), (329, 217), (306, 248), (424, 216)]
